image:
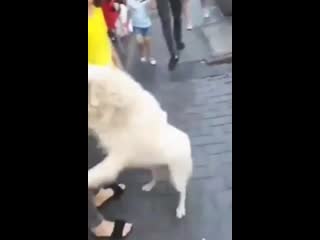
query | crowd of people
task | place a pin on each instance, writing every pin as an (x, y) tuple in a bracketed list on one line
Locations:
[(107, 19), (124, 17)]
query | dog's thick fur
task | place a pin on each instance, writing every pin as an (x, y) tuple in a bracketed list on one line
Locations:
[(133, 128)]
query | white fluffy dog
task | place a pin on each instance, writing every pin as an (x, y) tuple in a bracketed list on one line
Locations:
[(133, 128)]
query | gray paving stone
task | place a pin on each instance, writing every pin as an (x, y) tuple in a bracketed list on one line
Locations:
[(217, 184), (204, 140), (220, 37), (202, 172), (200, 157), (198, 100), (224, 199), (217, 149)]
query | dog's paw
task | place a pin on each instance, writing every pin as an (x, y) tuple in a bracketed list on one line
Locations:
[(148, 187), (181, 212)]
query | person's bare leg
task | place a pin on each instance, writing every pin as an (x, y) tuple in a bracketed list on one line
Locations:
[(206, 12), (98, 225), (143, 51), (187, 13), (116, 59), (147, 46), (104, 194), (146, 43), (141, 47)]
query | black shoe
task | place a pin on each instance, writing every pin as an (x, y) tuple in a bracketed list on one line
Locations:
[(181, 46), (173, 62)]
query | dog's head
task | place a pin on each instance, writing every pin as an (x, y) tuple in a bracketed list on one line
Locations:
[(108, 90)]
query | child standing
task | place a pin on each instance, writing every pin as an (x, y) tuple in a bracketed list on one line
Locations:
[(141, 26)]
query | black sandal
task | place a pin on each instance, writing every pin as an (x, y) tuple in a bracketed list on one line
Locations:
[(117, 191), (117, 232)]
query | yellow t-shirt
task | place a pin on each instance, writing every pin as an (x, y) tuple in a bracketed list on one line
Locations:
[(99, 46)]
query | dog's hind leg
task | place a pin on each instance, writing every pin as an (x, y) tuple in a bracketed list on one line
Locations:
[(159, 173), (179, 178), (180, 183), (150, 185), (104, 172)]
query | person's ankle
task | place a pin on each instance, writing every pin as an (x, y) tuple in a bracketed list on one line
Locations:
[(174, 59), (181, 45)]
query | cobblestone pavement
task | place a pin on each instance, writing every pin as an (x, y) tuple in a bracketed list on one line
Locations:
[(200, 103)]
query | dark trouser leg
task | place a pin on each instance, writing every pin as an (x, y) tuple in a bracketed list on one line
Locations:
[(94, 217), (176, 7), (164, 14)]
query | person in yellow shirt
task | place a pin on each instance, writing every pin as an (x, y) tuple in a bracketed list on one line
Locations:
[(102, 54), (100, 49)]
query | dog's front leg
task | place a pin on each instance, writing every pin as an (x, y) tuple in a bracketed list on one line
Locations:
[(106, 171)]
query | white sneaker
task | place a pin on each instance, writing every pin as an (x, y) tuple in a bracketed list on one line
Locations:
[(143, 59), (206, 13), (152, 61), (189, 27)]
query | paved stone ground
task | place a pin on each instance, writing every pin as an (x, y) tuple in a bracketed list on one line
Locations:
[(198, 100)]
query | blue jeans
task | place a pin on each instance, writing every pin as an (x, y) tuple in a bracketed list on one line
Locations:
[(144, 32)]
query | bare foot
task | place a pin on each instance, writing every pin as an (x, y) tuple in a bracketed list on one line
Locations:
[(106, 228), (104, 194)]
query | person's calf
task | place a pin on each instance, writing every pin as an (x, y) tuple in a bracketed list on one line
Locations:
[(180, 46), (147, 45), (173, 62), (142, 50)]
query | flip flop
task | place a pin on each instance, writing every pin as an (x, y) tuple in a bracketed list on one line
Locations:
[(117, 232)]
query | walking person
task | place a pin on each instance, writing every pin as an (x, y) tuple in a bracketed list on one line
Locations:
[(187, 14), (101, 53), (141, 23), (173, 39)]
